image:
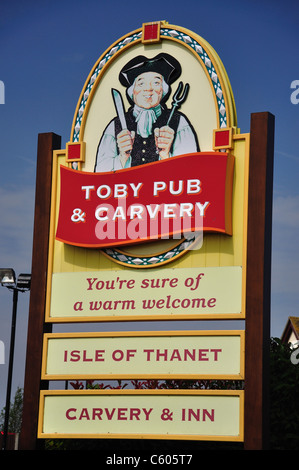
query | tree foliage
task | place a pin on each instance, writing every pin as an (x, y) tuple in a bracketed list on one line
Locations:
[(284, 388), (15, 413)]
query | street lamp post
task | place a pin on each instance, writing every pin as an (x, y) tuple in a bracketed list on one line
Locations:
[(8, 279)]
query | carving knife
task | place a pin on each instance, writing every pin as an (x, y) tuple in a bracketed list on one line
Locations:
[(119, 106)]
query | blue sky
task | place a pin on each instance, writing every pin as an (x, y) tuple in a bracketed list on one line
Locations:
[(47, 51)]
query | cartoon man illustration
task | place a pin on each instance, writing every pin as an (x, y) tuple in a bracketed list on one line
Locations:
[(148, 131)]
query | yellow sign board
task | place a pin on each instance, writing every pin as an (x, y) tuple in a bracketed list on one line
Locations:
[(184, 293), (140, 164), (155, 414), (221, 256), (164, 355)]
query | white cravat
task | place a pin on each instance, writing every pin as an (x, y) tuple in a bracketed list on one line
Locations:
[(145, 119)]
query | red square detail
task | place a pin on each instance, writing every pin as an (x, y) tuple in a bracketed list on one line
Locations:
[(222, 138), (150, 32), (74, 151)]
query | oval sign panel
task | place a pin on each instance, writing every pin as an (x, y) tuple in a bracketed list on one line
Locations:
[(148, 166)]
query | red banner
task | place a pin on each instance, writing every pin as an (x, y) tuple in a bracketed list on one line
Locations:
[(157, 200)]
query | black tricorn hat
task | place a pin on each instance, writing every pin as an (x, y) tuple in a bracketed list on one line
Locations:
[(163, 63)]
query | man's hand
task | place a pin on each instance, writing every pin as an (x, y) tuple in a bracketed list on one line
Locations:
[(125, 141), (164, 138)]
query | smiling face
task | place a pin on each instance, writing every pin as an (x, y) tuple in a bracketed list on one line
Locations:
[(147, 92)]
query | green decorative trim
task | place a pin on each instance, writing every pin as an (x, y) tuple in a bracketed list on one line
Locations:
[(207, 62), (150, 260), (184, 38), (104, 61)]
